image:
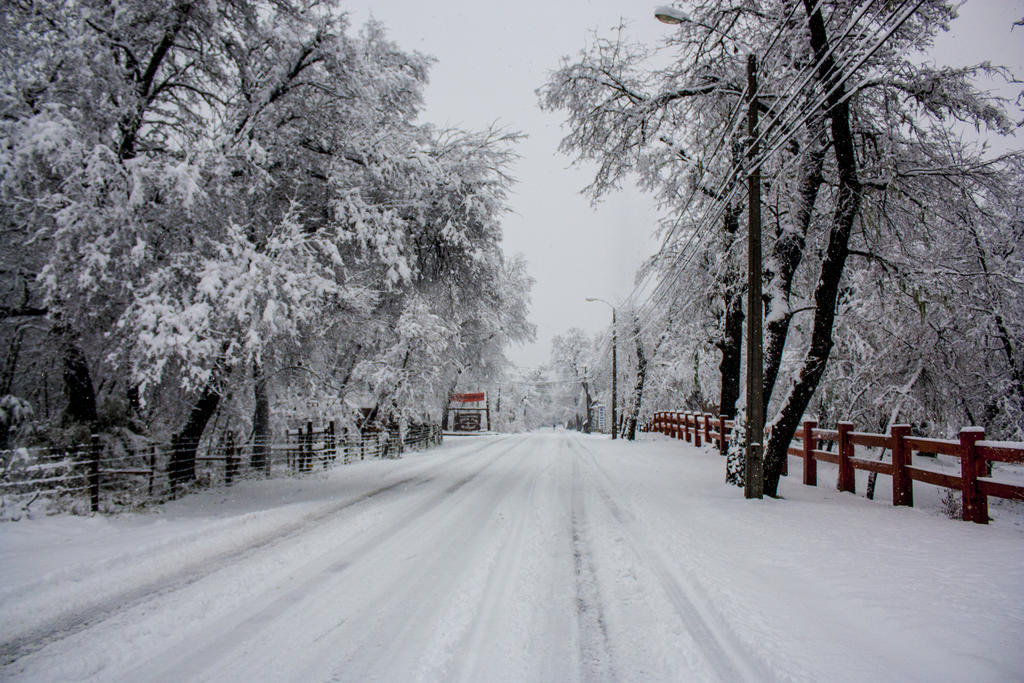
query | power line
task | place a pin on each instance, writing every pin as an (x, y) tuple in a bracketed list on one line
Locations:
[(733, 175), (684, 256), (801, 116)]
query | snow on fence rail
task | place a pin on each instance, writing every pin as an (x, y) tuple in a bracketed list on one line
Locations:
[(976, 456), (111, 474)]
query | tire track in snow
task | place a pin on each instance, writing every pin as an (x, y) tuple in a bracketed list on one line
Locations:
[(723, 651), (424, 603), (496, 607), (594, 643), (88, 615), (234, 628), (220, 527)]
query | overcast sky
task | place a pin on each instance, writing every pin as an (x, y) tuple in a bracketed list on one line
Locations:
[(491, 57)]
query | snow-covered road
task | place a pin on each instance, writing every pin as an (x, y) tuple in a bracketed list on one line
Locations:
[(542, 557)]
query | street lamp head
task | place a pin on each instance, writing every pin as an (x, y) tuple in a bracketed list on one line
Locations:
[(590, 299), (669, 15)]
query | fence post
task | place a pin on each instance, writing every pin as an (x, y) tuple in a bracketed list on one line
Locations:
[(329, 444), (696, 430), (152, 469), (708, 417), (307, 448), (289, 452), (268, 462), (96, 450), (975, 503), (230, 461), (846, 480), (902, 484), (810, 464)]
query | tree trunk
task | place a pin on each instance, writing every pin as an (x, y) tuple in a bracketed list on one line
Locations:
[(182, 467), (260, 421), (848, 198), (1003, 334), (731, 341), (81, 397), (447, 402), (586, 395), (11, 361), (133, 121), (731, 347), (134, 399), (638, 389), (787, 252)]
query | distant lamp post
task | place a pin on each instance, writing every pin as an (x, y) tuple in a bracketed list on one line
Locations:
[(615, 374)]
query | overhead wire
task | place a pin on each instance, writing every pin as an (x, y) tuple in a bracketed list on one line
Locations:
[(732, 176), (648, 308), (841, 65), (736, 116)]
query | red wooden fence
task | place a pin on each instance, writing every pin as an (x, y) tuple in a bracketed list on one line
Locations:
[(974, 451)]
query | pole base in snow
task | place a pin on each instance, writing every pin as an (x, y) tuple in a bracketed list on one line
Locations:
[(753, 484)]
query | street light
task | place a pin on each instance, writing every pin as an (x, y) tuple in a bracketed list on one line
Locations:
[(615, 374), (753, 461), (671, 15)]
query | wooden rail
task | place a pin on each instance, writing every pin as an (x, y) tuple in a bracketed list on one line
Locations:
[(974, 451)]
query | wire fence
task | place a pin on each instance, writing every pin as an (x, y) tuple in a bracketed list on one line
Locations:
[(108, 475)]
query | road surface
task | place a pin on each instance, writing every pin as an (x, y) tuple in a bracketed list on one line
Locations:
[(545, 557)]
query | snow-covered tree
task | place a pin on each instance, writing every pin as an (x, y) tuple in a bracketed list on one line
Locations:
[(573, 360), (215, 199), (856, 131)]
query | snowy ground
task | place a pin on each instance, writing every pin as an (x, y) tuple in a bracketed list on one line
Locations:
[(545, 557)]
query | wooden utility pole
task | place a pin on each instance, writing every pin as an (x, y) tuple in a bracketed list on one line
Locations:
[(615, 375), (754, 466)]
